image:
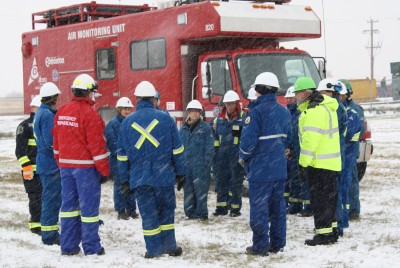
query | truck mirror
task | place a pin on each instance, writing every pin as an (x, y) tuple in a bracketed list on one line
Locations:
[(206, 79), (321, 69)]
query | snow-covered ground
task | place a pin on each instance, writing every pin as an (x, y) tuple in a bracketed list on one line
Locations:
[(371, 241)]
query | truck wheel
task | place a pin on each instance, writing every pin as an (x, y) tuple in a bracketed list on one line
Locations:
[(361, 168)]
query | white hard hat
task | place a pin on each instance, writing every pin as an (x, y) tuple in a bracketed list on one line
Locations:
[(251, 95), (124, 102), (266, 79), (194, 104), (85, 82), (49, 89), (36, 101), (230, 96), (290, 93), (327, 85), (344, 88), (145, 89)]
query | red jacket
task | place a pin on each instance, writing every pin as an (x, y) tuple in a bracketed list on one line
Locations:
[(79, 137)]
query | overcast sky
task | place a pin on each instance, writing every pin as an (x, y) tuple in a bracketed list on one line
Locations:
[(345, 22)]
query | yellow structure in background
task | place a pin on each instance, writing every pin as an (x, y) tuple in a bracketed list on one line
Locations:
[(362, 90)]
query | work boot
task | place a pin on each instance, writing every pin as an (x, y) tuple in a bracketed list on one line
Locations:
[(176, 252), (101, 251), (122, 215), (335, 233), (250, 251), (354, 217), (220, 213), (133, 215), (36, 230), (320, 239), (275, 250), (72, 253), (235, 214)]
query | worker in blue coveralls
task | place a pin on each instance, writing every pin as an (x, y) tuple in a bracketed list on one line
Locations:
[(351, 152), (264, 148), (332, 88), (197, 138), (296, 185), (150, 160), (228, 127), (46, 165), (124, 203), (354, 191)]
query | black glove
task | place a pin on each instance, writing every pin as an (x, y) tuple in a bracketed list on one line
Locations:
[(302, 173), (104, 179), (180, 181), (101, 222), (126, 188)]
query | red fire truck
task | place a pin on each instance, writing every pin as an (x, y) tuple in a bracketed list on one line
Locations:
[(192, 51)]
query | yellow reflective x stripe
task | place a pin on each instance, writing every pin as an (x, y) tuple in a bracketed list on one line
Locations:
[(221, 204), (324, 230), (122, 158), (31, 142), (90, 219), (179, 150), (49, 228), (23, 160), (167, 227), (32, 225), (70, 214), (146, 134), (152, 232), (235, 206)]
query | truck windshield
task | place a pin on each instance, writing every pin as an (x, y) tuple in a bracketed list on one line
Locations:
[(287, 67)]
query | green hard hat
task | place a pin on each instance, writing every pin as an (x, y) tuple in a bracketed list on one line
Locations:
[(347, 84), (304, 83)]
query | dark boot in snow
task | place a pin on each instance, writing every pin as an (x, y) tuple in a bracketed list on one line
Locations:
[(275, 250), (176, 252), (320, 239), (36, 230), (250, 251), (133, 215), (122, 215)]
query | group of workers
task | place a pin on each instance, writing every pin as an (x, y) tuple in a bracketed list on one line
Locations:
[(66, 155)]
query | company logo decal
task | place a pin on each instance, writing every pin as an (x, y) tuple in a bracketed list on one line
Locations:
[(54, 61), (34, 72)]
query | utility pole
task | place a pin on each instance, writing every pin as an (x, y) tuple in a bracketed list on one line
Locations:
[(372, 31)]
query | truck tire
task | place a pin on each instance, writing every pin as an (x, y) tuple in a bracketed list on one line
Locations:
[(361, 168)]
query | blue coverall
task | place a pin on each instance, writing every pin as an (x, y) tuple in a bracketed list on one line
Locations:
[(199, 148), (46, 167), (266, 135), (230, 172), (342, 122), (150, 156), (122, 201), (354, 192), (352, 148)]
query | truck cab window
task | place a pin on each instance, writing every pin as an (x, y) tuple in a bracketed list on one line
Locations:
[(148, 54), (221, 80), (287, 67), (105, 63)]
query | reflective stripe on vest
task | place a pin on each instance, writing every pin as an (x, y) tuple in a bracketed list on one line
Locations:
[(272, 136), (146, 134), (23, 160), (320, 156), (122, 157), (179, 150), (31, 142)]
